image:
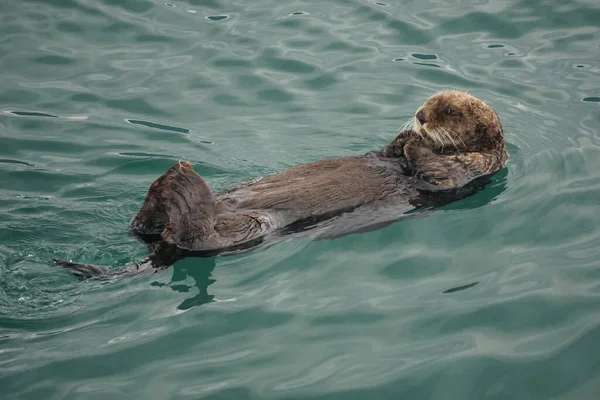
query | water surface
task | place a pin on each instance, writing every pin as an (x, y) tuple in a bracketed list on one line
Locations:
[(494, 297)]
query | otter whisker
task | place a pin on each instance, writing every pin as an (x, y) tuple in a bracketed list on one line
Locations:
[(406, 126), (436, 137), (420, 131), (443, 136), (447, 138), (447, 134), (439, 138), (459, 138)]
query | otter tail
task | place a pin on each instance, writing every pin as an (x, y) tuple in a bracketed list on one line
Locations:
[(163, 256), (85, 271)]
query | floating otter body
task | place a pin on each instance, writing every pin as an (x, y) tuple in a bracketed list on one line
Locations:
[(453, 139)]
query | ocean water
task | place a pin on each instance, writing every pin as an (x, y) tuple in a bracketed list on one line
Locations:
[(496, 296)]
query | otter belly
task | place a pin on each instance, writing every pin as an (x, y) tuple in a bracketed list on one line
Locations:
[(307, 194), (318, 187)]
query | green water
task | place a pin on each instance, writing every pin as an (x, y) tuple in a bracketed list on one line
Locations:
[(98, 98)]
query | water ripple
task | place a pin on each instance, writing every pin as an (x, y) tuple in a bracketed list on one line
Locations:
[(478, 299), (158, 126)]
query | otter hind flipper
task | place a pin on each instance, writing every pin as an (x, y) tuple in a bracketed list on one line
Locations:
[(152, 217), (190, 208)]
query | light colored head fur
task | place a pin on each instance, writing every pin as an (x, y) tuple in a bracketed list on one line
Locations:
[(456, 121)]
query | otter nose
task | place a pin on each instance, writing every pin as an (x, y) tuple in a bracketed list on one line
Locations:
[(420, 117)]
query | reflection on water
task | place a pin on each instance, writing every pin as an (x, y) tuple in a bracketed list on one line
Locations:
[(199, 270)]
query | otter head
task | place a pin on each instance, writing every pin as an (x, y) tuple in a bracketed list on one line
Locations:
[(454, 121)]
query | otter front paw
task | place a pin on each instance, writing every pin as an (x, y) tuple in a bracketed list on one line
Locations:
[(417, 152), (396, 148), (404, 136)]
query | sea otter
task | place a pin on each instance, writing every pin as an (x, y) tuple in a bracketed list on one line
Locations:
[(453, 139)]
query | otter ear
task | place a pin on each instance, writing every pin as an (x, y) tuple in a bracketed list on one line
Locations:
[(481, 130)]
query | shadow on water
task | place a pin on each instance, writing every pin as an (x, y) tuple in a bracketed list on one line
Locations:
[(200, 270), (459, 288), (487, 192)]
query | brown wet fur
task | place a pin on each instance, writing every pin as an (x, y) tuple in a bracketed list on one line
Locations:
[(195, 220)]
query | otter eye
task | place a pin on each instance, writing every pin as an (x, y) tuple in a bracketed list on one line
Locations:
[(452, 113)]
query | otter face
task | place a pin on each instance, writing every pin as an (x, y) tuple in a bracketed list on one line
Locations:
[(455, 120)]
